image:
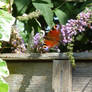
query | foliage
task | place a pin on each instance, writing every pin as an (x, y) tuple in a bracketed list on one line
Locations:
[(4, 4), (3, 73), (20, 27), (6, 23), (35, 16), (49, 9), (45, 8), (61, 15)]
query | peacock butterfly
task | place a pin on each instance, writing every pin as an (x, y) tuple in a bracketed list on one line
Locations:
[(52, 38)]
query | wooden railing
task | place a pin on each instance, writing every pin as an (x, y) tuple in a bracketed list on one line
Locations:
[(45, 56)]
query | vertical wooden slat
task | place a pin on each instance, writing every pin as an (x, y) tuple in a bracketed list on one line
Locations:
[(62, 76)]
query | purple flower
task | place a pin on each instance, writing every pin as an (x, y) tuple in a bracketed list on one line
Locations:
[(36, 39), (73, 26)]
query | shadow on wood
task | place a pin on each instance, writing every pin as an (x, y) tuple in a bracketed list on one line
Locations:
[(30, 76)]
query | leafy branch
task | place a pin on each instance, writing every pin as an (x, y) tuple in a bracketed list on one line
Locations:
[(26, 17)]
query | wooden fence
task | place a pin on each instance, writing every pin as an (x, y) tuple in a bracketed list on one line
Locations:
[(61, 69)]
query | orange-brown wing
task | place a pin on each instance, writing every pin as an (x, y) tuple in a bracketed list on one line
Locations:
[(51, 43), (52, 39), (53, 35)]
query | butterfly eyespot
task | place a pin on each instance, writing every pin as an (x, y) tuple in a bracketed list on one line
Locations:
[(55, 26), (44, 46)]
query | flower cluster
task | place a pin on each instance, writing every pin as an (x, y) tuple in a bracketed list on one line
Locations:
[(38, 41), (73, 26), (17, 42)]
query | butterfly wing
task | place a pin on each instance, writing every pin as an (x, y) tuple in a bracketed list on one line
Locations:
[(52, 39), (51, 43)]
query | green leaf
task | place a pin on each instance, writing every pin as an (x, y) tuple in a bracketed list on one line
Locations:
[(61, 15), (6, 22), (45, 2), (3, 69), (3, 86), (3, 73), (20, 27), (45, 8), (0, 36), (4, 3), (21, 5)]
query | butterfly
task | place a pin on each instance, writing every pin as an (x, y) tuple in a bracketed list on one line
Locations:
[(52, 39)]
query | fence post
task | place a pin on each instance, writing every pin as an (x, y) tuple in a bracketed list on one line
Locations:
[(62, 76)]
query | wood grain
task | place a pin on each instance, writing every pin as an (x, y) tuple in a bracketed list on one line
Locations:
[(82, 77), (30, 77), (45, 56), (62, 76)]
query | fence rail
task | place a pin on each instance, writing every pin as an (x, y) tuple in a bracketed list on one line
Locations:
[(45, 56)]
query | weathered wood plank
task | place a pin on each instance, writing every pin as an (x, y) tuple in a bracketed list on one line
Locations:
[(45, 56), (30, 76), (62, 76), (82, 77)]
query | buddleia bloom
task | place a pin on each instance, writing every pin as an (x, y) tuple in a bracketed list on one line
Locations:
[(74, 26)]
